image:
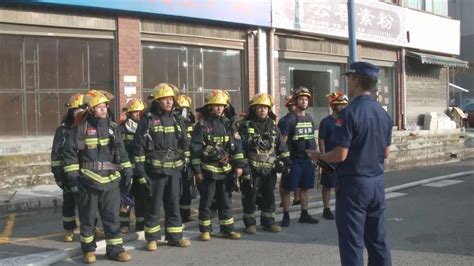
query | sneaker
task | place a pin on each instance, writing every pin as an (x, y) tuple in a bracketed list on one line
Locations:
[(251, 230), (183, 243), (69, 236), (327, 214), (99, 232), (307, 219), (232, 235), (151, 245), (274, 228), (89, 257), (125, 230), (286, 221), (205, 236)]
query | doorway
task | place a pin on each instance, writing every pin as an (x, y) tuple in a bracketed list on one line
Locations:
[(319, 84)]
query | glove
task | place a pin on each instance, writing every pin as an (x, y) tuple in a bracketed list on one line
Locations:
[(126, 184), (145, 183), (235, 183), (72, 183), (61, 185)]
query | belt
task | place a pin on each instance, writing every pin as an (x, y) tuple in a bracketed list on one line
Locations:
[(264, 158), (101, 166)]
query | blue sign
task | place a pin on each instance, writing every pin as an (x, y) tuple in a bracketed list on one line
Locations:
[(250, 12)]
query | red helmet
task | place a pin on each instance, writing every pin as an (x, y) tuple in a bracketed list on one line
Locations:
[(337, 97)]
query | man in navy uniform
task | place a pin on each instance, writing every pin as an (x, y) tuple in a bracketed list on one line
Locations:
[(362, 137)]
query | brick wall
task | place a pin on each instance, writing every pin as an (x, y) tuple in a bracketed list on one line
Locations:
[(252, 65), (128, 46)]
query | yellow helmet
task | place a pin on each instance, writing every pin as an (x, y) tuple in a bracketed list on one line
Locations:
[(75, 101), (218, 97), (95, 97), (184, 101), (134, 105), (163, 90), (262, 99)]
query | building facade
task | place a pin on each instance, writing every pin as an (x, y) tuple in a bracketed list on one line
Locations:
[(50, 49)]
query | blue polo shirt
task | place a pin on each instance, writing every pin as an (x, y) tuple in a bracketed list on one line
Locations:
[(326, 130), (365, 128)]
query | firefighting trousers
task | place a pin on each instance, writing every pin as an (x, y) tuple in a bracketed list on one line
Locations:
[(139, 196), (106, 204), (186, 197), (69, 211), (265, 186), (208, 189), (166, 189)]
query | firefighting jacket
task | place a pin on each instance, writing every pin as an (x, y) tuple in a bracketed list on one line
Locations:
[(263, 144), (94, 154), (219, 134), (160, 145), (127, 131), (56, 153)]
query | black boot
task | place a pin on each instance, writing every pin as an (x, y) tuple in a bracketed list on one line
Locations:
[(286, 220), (327, 214), (306, 218)]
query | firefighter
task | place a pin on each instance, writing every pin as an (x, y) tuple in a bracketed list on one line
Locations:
[(160, 144), (337, 101), (298, 131), (266, 153), (69, 203), (94, 155), (217, 160), (133, 110), (184, 109)]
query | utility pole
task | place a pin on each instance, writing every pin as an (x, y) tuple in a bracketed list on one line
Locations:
[(352, 31)]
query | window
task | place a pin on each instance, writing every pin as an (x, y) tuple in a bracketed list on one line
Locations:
[(39, 74), (439, 7), (194, 70), (385, 92)]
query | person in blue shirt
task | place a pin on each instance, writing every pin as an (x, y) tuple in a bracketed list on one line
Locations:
[(362, 136), (297, 131), (337, 101)]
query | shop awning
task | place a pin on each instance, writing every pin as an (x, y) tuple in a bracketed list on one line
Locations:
[(438, 60)]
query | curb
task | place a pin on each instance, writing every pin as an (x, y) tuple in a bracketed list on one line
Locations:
[(50, 257)]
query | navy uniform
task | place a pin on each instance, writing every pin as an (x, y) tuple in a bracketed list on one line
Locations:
[(184, 103), (60, 136), (215, 150), (364, 128), (264, 148), (160, 145), (128, 129), (94, 154)]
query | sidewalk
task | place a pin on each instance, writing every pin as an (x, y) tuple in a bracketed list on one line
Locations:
[(48, 196)]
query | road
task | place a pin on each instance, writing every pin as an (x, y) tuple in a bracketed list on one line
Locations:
[(427, 225)]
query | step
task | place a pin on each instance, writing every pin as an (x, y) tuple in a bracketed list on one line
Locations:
[(25, 145), (26, 169), (19, 159), (26, 181)]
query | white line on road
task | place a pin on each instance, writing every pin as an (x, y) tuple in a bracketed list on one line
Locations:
[(443, 183)]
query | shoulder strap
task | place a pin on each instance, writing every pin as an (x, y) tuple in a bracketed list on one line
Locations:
[(81, 135)]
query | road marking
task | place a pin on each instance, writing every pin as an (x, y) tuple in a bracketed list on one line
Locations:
[(392, 195), (443, 183), (24, 239), (7, 232)]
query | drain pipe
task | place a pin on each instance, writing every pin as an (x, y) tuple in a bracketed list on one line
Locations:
[(262, 62), (271, 63)]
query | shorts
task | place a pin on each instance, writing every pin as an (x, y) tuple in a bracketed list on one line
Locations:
[(328, 180), (301, 175)]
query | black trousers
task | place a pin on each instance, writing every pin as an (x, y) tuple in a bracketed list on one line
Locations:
[(208, 189), (139, 197), (107, 204), (264, 185), (186, 197), (166, 189), (69, 211)]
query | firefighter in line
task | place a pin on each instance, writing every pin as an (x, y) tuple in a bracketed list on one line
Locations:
[(217, 160), (134, 110), (69, 203), (94, 155), (337, 101), (298, 131), (266, 153), (184, 110), (160, 144), (290, 106)]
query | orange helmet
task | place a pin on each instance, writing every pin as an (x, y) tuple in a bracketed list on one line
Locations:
[(289, 101), (337, 97)]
